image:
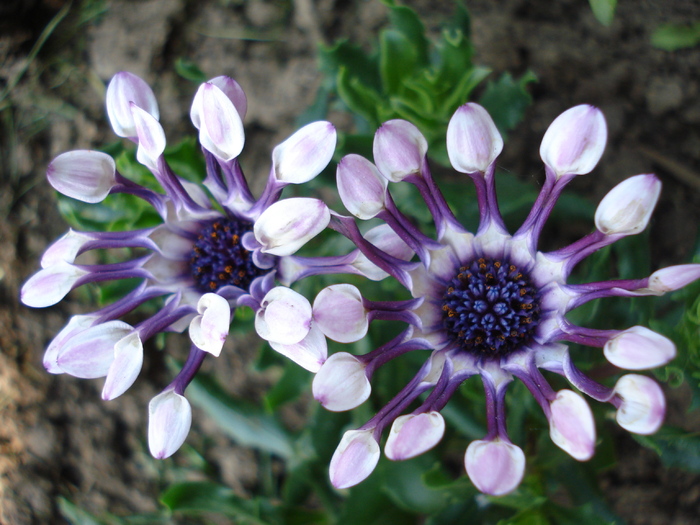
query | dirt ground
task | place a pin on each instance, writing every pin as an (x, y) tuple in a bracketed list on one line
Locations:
[(57, 438)]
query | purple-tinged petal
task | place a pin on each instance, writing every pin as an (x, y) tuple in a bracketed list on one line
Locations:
[(288, 224), (90, 353), (151, 138), (571, 425), (354, 459), (231, 89), (284, 317), (76, 324), (473, 141), (495, 467), (309, 353), (340, 314), (65, 249), (639, 348), (411, 435), (574, 142), (209, 329), (167, 271), (399, 149), (626, 209), (169, 420), (643, 404), (386, 239), (341, 383), (128, 359), (361, 187), (84, 175), (673, 278), (220, 126), (170, 244), (305, 154), (123, 90), (49, 285)]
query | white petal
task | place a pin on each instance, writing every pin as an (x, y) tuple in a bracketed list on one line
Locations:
[(230, 88), (305, 154), (626, 209), (341, 383), (76, 324), (84, 175), (386, 239), (151, 138), (124, 89), (674, 277), (220, 126), (169, 420), (285, 316), (208, 330), (639, 348), (128, 359), (288, 224), (571, 425), (574, 142), (309, 353), (473, 141), (361, 187), (411, 435), (49, 285), (399, 149), (354, 459), (643, 404), (170, 244), (64, 249), (90, 353), (495, 467), (339, 313)]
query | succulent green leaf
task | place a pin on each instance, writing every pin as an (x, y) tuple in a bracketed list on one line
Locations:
[(406, 21), (196, 497), (603, 10), (358, 96), (397, 60), (507, 99), (675, 446), (671, 37), (248, 425)]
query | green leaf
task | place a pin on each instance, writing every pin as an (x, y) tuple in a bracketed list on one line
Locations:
[(293, 382), (75, 515), (675, 447), (248, 425), (196, 497), (506, 100), (406, 21), (671, 37), (368, 504), (403, 482), (186, 159), (359, 97), (603, 10), (397, 60), (187, 69), (344, 55)]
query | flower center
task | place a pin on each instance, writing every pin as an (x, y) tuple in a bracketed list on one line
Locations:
[(219, 259), (490, 308)]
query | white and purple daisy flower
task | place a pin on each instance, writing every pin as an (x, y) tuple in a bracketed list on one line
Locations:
[(485, 303), (213, 251)]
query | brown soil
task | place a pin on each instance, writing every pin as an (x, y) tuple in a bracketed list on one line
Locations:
[(57, 438)]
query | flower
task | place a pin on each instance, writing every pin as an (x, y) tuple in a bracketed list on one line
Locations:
[(485, 304), (207, 256)]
